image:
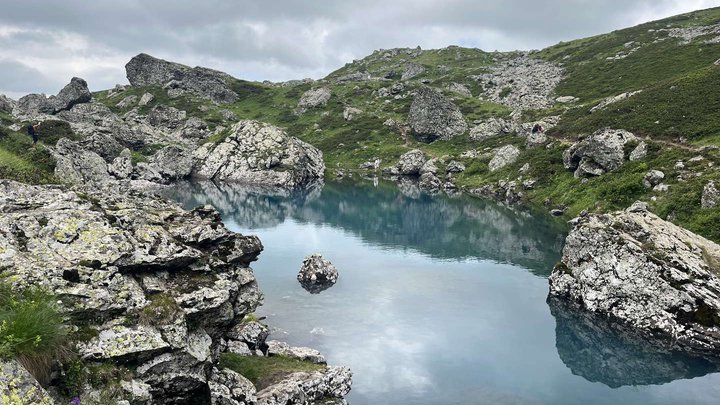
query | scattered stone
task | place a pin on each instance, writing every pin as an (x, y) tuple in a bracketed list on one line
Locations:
[(566, 99), (432, 116), (536, 139), (602, 152), (653, 178), (127, 101), (639, 152), (455, 167), (503, 156), (614, 99), (146, 99), (460, 89), (350, 112), (710, 196), (317, 274)]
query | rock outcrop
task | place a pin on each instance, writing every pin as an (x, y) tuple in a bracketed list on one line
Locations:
[(710, 196), (308, 388), (75, 92), (17, 386), (145, 70), (433, 116), (317, 274), (6, 104), (411, 163), (412, 70), (32, 105), (503, 156), (655, 277), (259, 154), (314, 98), (602, 152)]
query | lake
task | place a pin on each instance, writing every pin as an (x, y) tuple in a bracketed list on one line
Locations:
[(441, 300)]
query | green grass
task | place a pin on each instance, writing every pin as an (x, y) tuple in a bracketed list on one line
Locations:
[(265, 371)]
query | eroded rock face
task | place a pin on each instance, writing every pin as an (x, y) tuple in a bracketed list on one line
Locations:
[(76, 165), (647, 273), (433, 116), (317, 274), (259, 154), (145, 70), (6, 104), (602, 152), (32, 105)]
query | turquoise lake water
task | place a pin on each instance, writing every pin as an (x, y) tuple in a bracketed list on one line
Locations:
[(441, 301)]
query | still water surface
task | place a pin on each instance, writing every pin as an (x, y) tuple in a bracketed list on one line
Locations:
[(441, 301)]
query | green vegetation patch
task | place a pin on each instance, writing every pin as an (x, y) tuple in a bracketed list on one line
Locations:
[(265, 371)]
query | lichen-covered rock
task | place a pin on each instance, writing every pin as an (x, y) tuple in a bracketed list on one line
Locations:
[(433, 116), (602, 152), (230, 388), (503, 156), (128, 101), (145, 70), (124, 343), (490, 128), (647, 273), (639, 152), (172, 163), (455, 167), (89, 119), (75, 165), (121, 166), (18, 387), (411, 163), (314, 98), (146, 99), (252, 333), (710, 196), (276, 348), (75, 92), (176, 378), (430, 182), (317, 274), (307, 388), (259, 154)]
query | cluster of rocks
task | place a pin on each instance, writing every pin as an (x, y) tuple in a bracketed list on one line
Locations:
[(613, 99), (495, 126), (165, 290), (688, 34), (416, 165), (32, 106), (521, 83), (433, 116), (649, 274), (602, 152), (178, 79)]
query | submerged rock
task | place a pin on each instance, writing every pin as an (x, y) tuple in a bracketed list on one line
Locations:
[(433, 116), (655, 277), (317, 274)]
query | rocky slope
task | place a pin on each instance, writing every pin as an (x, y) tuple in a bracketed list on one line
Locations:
[(157, 291)]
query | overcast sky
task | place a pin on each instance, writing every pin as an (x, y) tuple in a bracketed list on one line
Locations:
[(43, 43)]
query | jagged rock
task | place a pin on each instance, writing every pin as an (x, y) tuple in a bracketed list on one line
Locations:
[(94, 118), (647, 273), (350, 112), (455, 167), (602, 152), (307, 388), (317, 274), (460, 89), (32, 105), (412, 70), (17, 386), (194, 128), (252, 333), (128, 101), (146, 99), (172, 163), (103, 144), (411, 163), (75, 92), (433, 116), (397, 88), (710, 196), (430, 183), (490, 128), (639, 152), (430, 167), (145, 70), (259, 154), (314, 98), (653, 178), (6, 104), (503, 156), (230, 388), (123, 343), (536, 139), (276, 348), (166, 117), (176, 378), (614, 99), (75, 165)]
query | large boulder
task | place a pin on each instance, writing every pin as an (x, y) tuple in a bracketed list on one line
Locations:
[(32, 105), (75, 92), (602, 152), (411, 163), (649, 274), (490, 128), (145, 70), (314, 98), (503, 156), (89, 119), (76, 165), (259, 154), (412, 70), (6, 104), (172, 163), (317, 274), (433, 116)]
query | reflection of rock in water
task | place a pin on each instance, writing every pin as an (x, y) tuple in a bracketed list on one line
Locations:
[(315, 288), (600, 350), (388, 215)]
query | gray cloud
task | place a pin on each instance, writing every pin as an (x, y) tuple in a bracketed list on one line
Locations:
[(281, 39)]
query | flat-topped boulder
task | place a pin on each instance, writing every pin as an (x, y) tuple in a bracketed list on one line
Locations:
[(256, 153), (657, 278)]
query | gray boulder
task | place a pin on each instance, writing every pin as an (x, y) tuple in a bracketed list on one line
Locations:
[(460, 89), (308, 387), (350, 113), (32, 105), (172, 163), (127, 102), (259, 154), (166, 117), (276, 348), (121, 166), (647, 273), (145, 70), (252, 333), (6, 104), (230, 388), (317, 274), (412, 70), (639, 152), (146, 99), (75, 165), (103, 144), (490, 128), (314, 98), (75, 92), (602, 152), (433, 116), (710, 196), (17, 386), (503, 156), (411, 163), (653, 178), (536, 139), (430, 183), (455, 167)]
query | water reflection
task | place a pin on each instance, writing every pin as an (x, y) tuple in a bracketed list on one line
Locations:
[(603, 351), (383, 214)]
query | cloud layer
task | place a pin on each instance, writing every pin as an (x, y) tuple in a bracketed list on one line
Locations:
[(44, 43)]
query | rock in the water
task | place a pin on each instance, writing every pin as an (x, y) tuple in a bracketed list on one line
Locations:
[(602, 152), (276, 348), (710, 196), (260, 154), (75, 92), (17, 386), (317, 274), (504, 156), (314, 98), (430, 183), (308, 388), (653, 178), (433, 116), (145, 70), (412, 70), (411, 163), (647, 273)]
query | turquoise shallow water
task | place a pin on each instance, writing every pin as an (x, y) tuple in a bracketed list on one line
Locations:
[(441, 301)]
